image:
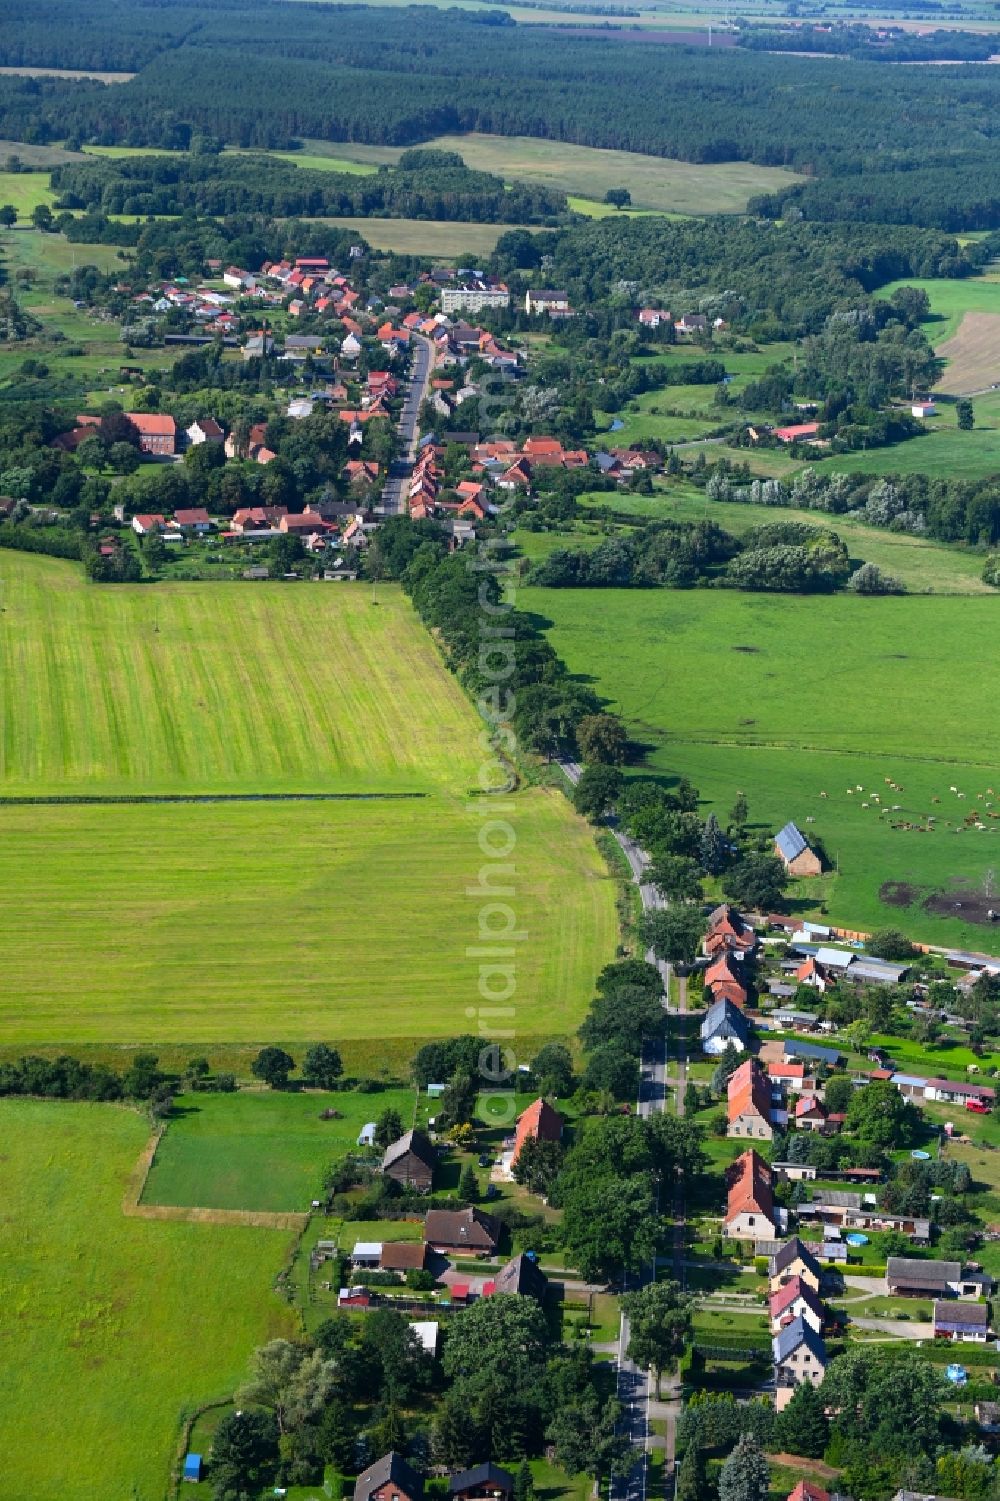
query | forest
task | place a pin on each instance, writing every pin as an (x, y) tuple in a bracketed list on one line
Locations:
[(267, 77), (774, 282), (426, 185), (854, 39), (957, 194)]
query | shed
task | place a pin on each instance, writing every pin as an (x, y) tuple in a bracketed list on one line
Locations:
[(792, 847), (193, 1467), (366, 1136)]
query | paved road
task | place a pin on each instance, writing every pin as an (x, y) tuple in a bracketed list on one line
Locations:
[(397, 481), (635, 1388)]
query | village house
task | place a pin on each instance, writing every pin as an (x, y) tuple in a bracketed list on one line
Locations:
[(724, 1026), (143, 526), (792, 849), (964, 1323), (727, 929), (652, 317), (809, 1114), (724, 981), (389, 1479), (750, 1212), (554, 304), (193, 519), (748, 1104), (410, 1161), (540, 1122), (794, 1260), (206, 430), (807, 1491), (157, 433), (796, 1300), (799, 1355), (485, 1482), (522, 1275), (461, 1232), (691, 323)]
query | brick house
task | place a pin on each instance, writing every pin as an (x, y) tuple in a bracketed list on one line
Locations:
[(792, 849), (389, 1479), (157, 432), (750, 1213), (748, 1103)]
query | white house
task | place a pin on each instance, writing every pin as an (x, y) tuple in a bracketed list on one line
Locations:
[(923, 409)]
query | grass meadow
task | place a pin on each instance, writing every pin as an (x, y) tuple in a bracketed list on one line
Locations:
[(25, 191), (658, 183), (818, 695), (114, 1325), (259, 1150), (248, 922)]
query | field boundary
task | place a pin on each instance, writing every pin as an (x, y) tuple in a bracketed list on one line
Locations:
[(112, 799), (134, 1209)]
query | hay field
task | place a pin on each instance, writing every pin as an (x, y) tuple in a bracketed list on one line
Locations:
[(113, 1324), (209, 688), (251, 922), (973, 354)]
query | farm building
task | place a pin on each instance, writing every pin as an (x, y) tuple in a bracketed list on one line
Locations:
[(193, 1466), (403, 1256), (965, 1323), (410, 1161), (389, 1479), (792, 849), (810, 1052), (937, 1279), (724, 1026)]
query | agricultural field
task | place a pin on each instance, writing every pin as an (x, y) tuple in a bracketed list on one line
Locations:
[(431, 237), (821, 695), (964, 328), (586, 172), (213, 922), (118, 1323), (679, 414), (259, 1150)]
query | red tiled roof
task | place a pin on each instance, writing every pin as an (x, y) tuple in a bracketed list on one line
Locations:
[(153, 424)]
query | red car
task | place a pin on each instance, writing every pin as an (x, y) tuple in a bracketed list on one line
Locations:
[(977, 1106)]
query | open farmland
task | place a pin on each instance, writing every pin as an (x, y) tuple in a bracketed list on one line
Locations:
[(25, 191), (587, 172), (242, 922), (118, 1323), (259, 1150), (818, 695), (973, 354)]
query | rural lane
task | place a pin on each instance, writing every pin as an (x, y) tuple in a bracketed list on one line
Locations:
[(394, 492), (635, 1386)]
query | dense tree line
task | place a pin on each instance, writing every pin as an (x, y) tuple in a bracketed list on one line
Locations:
[(855, 39), (437, 186), (279, 73), (766, 280), (789, 557), (953, 194)]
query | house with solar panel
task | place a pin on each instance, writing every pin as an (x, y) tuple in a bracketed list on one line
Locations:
[(792, 848)]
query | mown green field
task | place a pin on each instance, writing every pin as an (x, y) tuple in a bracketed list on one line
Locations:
[(205, 688), (787, 698), (113, 1325), (25, 191), (259, 1150), (587, 172), (257, 922)]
